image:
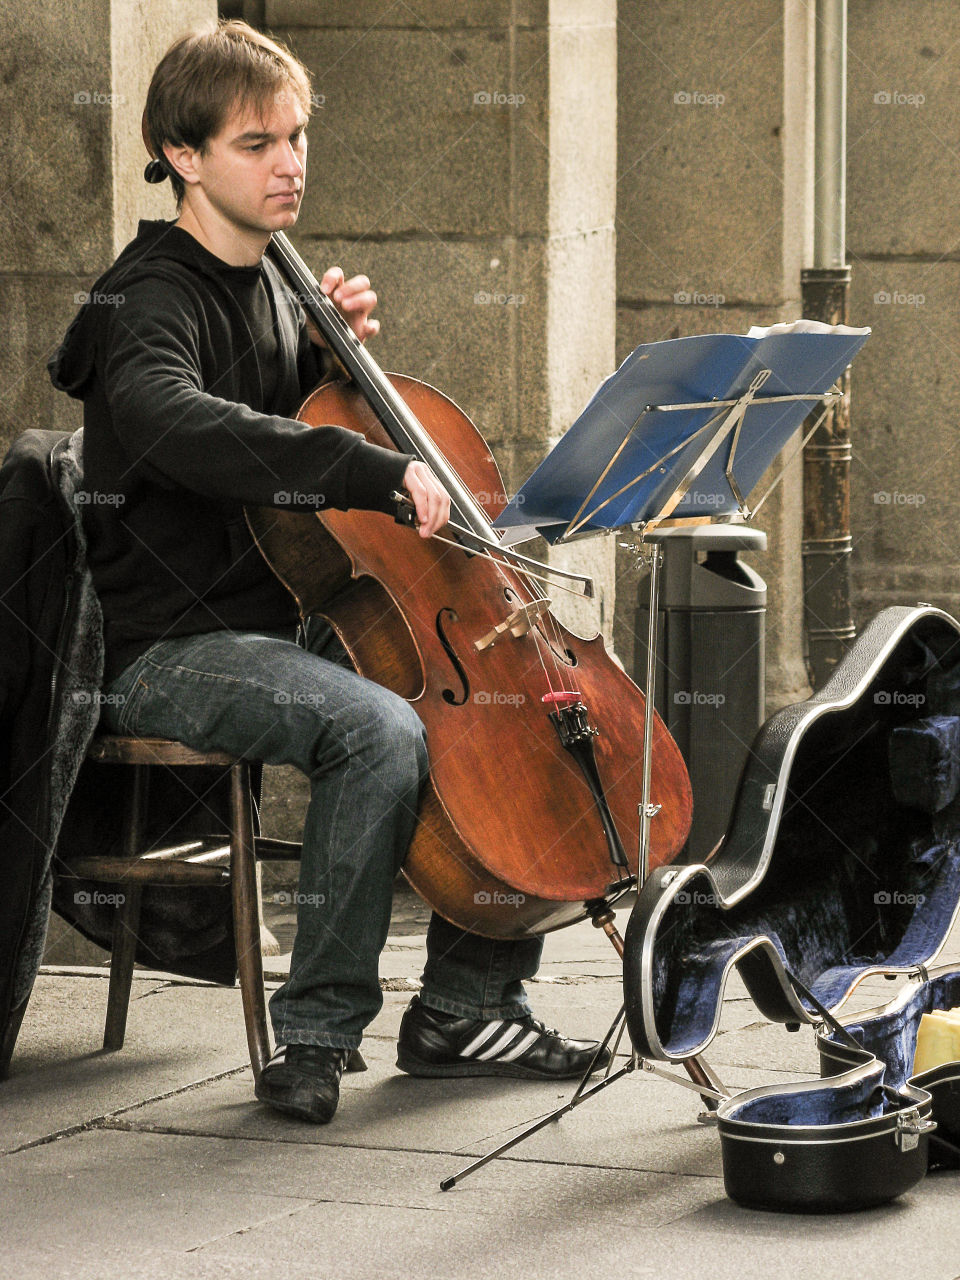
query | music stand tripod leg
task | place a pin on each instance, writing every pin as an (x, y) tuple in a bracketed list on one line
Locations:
[(581, 1095)]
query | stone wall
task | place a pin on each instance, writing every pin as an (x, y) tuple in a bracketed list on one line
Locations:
[(714, 183), (903, 204)]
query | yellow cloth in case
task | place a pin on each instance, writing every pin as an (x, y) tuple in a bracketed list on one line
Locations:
[(938, 1040)]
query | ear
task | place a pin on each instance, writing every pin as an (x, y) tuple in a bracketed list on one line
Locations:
[(184, 161)]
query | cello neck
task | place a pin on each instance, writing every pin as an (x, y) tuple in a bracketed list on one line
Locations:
[(400, 424)]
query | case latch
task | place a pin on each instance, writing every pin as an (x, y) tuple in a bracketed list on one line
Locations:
[(910, 1127)]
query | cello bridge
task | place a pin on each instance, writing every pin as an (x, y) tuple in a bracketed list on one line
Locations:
[(518, 623)]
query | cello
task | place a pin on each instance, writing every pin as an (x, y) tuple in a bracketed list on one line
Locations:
[(531, 813)]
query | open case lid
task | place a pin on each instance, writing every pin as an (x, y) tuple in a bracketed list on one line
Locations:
[(843, 854)]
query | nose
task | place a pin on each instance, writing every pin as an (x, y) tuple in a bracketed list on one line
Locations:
[(288, 162)]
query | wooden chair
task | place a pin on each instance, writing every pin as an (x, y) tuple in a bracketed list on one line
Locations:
[(204, 861)]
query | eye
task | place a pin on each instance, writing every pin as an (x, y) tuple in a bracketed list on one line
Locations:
[(257, 146)]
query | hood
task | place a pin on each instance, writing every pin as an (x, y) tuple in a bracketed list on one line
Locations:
[(152, 253)]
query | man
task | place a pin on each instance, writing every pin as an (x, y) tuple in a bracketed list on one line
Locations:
[(191, 357)]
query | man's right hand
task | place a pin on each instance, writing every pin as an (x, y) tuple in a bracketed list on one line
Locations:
[(429, 497)]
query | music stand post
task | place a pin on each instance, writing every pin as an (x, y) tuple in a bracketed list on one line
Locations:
[(728, 421)]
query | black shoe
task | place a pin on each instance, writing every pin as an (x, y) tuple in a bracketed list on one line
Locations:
[(441, 1044), (303, 1080)]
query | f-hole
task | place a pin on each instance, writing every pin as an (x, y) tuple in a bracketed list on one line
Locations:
[(454, 698)]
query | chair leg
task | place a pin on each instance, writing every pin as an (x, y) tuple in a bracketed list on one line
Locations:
[(246, 917), (126, 922)]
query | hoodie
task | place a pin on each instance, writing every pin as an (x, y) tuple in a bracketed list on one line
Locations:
[(189, 370)]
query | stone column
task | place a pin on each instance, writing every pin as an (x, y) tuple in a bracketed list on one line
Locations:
[(72, 86), (463, 157), (713, 224), (73, 82)]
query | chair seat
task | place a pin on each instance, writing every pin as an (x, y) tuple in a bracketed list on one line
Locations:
[(111, 748)]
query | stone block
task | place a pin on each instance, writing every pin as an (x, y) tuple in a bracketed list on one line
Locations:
[(432, 157), (903, 184), (37, 310), (700, 188), (387, 14), (906, 460)]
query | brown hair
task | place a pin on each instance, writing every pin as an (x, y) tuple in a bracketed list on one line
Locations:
[(208, 73)]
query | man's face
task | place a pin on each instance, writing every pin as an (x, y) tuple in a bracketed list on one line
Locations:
[(252, 171)]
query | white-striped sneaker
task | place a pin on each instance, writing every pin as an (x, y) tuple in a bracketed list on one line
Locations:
[(432, 1043)]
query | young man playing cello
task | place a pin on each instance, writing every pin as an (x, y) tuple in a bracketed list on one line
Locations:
[(189, 385)]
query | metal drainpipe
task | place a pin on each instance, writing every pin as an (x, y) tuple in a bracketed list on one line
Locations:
[(827, 541)]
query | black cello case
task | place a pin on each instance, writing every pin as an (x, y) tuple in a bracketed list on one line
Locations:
[(842, 860)]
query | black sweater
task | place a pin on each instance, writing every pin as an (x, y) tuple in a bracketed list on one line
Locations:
[(183, 425)]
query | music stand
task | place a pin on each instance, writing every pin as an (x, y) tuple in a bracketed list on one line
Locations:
[(650, 447)]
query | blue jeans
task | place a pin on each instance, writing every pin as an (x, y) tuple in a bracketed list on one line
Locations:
[(266, 697)]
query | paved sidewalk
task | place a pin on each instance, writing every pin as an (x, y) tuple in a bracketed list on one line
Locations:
[(157, 1161)]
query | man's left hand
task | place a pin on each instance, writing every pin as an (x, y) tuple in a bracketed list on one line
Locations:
[(354, 299)]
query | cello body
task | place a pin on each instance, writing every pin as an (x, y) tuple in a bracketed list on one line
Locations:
[(509, 840)]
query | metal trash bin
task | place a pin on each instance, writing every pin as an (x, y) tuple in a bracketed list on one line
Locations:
[(710, 669)]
